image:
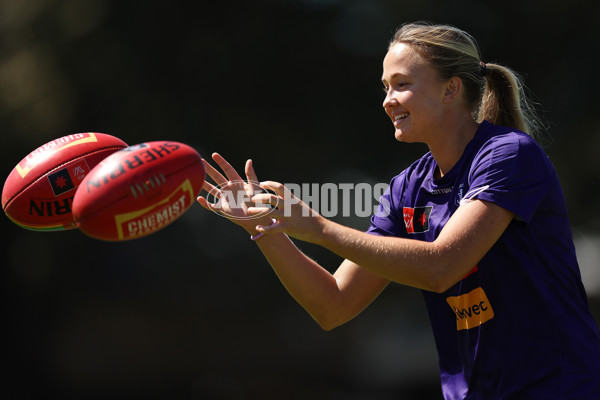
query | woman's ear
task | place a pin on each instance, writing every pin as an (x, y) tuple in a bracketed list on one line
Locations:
[(452, 89)]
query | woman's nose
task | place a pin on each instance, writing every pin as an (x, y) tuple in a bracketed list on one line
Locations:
[(389, 100)]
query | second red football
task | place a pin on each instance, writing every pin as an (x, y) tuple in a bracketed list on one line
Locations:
[(138, 190)]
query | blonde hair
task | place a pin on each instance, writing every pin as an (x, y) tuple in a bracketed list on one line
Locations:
[(493, 92)]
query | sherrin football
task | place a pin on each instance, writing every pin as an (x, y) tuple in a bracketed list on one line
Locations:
[(138, 190), (38, 193)]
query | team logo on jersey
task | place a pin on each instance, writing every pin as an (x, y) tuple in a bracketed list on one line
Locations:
[(416, 220), (471, 309)]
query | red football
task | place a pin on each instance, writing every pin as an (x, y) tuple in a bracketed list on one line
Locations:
[(38, 193), (138, 190)]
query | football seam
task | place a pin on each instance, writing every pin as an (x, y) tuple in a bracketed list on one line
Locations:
[(43, 175), (199, 161)]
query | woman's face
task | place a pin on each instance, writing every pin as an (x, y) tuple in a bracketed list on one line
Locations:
[(414, 94)]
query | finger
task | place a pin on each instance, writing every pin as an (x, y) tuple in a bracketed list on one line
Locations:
[(277, 226), (206, 204), (276, 187), (230, 172), (216, 193), (266, 198), (257, 212), (214, 174), (211, 189), (282, 191), (260, 211), (251, 175), (203, 202), (264, 203)]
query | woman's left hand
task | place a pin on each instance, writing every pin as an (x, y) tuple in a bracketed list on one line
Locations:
[(293, 216)]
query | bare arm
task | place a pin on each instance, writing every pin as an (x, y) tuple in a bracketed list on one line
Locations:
[(467, 237), (433, 266), (371, 261), (331, 300)]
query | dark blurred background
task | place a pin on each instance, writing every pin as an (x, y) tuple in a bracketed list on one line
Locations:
[(194, 311)]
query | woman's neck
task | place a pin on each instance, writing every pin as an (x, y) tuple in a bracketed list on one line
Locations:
[(451, 145)]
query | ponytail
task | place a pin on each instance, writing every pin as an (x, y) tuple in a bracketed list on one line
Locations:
[(505, 102)]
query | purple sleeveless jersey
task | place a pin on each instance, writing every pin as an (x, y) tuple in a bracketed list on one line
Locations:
[(518, 326)]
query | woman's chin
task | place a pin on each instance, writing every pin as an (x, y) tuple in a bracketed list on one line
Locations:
[(402, 136)]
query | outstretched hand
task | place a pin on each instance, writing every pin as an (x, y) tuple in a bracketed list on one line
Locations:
[(259, 207), (232, 195), (293, 216)]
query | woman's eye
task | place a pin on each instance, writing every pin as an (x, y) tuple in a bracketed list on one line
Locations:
[(397, 86)]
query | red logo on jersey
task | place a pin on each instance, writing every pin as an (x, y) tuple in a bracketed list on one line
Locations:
[(416, 220)]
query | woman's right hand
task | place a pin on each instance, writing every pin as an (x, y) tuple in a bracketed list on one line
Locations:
[(233, 195)]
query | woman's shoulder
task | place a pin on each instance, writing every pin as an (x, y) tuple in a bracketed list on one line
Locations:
[(501, 142), (504, 136), (506, 154)]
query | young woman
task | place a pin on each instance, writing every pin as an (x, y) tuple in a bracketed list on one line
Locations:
[(479, 224)]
